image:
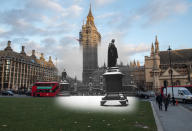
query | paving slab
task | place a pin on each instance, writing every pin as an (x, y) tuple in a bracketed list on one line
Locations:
[(176, 118)]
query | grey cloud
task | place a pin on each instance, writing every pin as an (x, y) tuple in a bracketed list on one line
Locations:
[(159, 10), (28, 29), (155, 11), (49, 41), (69, 40), (27, 20)]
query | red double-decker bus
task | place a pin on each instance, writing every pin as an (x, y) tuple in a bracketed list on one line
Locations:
[(45, 89)]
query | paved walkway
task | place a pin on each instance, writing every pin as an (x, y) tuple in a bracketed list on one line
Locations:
[(177, 118)]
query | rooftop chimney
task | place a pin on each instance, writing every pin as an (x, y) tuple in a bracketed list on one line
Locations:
[(9, 44), (23, 50), (42, 57), (8, 48), (33, 52), (50, 60)]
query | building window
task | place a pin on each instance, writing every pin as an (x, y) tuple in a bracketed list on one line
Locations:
[(177, 82)]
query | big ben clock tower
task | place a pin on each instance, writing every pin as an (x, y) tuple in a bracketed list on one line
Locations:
[(89, 39)]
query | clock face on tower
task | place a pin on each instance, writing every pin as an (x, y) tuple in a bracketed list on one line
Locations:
[(88, 31)]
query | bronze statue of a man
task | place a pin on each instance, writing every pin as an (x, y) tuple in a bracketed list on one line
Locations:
[(112, 54)]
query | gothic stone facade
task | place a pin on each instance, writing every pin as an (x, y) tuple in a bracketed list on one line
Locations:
[(89, 38), (157, 67), (20, 71)]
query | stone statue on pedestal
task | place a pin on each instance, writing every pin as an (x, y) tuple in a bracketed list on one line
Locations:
[(113, 79), (112, 54)]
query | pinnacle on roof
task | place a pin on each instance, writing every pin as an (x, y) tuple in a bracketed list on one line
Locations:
[(156, 45), (90, 13), (156, 40), (90, 18), (152, 49), (138, 64)]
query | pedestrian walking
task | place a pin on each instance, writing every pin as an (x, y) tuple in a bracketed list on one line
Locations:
[(173, 100), (166, 102), (156, 99), (159, 101), (169, 97)]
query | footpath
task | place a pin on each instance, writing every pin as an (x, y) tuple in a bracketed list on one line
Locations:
[(176, 118)]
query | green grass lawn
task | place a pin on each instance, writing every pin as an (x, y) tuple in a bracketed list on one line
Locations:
[(42, 114)]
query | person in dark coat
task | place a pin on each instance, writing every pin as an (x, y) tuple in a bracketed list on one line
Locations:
[(166, 102), (159, 101)]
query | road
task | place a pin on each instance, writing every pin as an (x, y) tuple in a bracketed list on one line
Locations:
[(16, 95), (187, 106)]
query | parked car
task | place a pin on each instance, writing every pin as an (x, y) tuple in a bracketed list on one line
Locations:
[(143, 94), (28, 93), (7, 93)]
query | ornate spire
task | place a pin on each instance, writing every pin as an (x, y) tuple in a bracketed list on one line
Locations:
[(156, 45), (90, 13), (134, 63), (152, 49), (138, 64), (131, 64), (90, 18)]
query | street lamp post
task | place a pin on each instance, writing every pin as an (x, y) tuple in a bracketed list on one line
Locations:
[(171, 72), (188, 73)]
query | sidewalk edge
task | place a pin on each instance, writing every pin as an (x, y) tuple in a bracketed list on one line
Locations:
[(157, 121)]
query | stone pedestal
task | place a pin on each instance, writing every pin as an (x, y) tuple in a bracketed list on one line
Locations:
[(113, 83)]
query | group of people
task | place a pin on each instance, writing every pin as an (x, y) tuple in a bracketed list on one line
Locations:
[(163, 99)]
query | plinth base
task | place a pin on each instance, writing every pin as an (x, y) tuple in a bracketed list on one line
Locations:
[(114, 97)]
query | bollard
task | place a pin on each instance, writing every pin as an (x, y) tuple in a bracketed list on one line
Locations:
[(176, 102)]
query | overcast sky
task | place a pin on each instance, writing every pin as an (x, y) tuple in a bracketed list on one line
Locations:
[(52, 27)]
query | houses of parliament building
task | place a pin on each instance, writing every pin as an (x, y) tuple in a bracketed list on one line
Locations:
[(20, 71), (160, 64)]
